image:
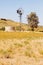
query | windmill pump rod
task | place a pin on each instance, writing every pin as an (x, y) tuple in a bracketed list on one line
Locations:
[(20, 21)]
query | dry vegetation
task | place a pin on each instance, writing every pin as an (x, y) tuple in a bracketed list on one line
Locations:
[(21, 48), (25, 27), (8, 22)]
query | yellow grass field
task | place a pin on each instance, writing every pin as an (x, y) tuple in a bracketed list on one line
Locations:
[(17, 35), (21, 48)]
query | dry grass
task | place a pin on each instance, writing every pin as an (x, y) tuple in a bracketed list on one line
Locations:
[(10, 35), (21, 48), (24, 26)]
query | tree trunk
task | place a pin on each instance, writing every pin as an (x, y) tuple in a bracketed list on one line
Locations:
[(32, 29)]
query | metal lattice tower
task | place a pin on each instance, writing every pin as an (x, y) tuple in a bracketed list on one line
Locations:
[(20, 12)]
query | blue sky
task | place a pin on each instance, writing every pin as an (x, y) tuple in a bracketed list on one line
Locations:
[(8, 9)]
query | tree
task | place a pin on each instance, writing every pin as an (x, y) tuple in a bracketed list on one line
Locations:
[(33, 20)]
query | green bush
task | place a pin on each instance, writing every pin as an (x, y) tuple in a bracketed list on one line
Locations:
[(2, 28)]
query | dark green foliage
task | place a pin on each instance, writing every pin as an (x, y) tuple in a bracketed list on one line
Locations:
[(33, 20), (2, 28)]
